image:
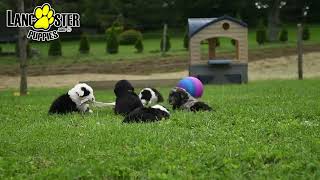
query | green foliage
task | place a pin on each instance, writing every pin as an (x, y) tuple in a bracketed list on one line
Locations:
[(0, 49), (117, 29), (84, 47), (283, 35), (112, 42), (261, 34), (28, 49), (168, 43), (238, 16), (129, 37), (217, 42), (151, 43), (186, 41), (100, 13), (273, 134), (305, 33), (139, 46), (233, 42), (55, 48)]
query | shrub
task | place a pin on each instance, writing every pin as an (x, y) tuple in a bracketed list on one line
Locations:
[(84, 47), (168, 44), (28, 49), (139, 46), (233, 42), (55, 48), (283, 35), (129, 37), (186, 41), (112, 43), (261, 34), (217, 42), (0, 49), (305, 33), (117, 29)]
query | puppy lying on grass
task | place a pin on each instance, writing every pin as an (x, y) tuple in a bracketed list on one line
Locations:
[(181, 99), (148, 113), (76, 99)]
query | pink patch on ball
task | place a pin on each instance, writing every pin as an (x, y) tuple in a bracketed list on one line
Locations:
[(192, 85), (198, 86)]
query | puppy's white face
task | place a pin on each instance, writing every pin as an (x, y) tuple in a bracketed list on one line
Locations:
[(81, 94), (150, 96), (147, 96)]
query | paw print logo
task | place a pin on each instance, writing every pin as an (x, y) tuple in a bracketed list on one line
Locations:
[(45, 17)]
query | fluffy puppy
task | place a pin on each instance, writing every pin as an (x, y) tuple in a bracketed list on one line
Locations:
[(75, 100), (147, 114), (181, 99), (126, 99), (150, 96)]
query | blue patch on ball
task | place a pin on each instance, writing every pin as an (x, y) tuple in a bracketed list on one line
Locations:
[(192, 85)]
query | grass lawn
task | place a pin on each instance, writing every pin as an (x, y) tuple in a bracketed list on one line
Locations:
[(151, 48), (267, 129)]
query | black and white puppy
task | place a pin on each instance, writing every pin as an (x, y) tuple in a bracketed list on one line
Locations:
[(179, 98), (150, 96), (147, 114), (126, 99), (75, 100)]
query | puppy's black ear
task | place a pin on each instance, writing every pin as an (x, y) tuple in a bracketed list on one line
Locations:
[(85, 91), (117, 91), (183, 96), (158, 94), (172, 98)]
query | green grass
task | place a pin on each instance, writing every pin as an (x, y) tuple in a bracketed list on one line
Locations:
[(263, 130), (151, 48)]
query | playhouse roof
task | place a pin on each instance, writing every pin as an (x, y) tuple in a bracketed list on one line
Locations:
[(197, 24)]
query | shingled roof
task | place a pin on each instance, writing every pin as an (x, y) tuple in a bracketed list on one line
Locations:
[(197, 24)]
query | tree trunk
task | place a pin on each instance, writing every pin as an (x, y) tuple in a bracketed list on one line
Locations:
[(23, 53), (274, 21)]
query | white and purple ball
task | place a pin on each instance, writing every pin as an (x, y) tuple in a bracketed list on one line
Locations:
[(192, 85)]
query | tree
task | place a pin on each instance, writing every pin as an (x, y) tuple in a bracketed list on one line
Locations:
[(283, 35), (55, 48), (186, 40), (273, 10), (84, 47), (112, 43), (23, 54), (305, 33), (139, 46), (261, 35), (168, 44)]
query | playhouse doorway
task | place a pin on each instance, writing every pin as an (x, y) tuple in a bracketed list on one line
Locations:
[(222, 48)]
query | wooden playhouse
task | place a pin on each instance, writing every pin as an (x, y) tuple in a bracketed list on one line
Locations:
[(212, 70)]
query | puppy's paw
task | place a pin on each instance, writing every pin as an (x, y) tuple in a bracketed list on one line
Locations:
[(88, 110)]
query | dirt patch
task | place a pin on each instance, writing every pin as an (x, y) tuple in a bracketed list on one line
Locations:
[(268, 68), (71, 79), (145, 66), (284, 67)]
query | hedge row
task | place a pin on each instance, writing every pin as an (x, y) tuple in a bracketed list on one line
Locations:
[(116, 36)]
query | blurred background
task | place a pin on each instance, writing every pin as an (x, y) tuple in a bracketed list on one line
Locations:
[(123, 39)]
